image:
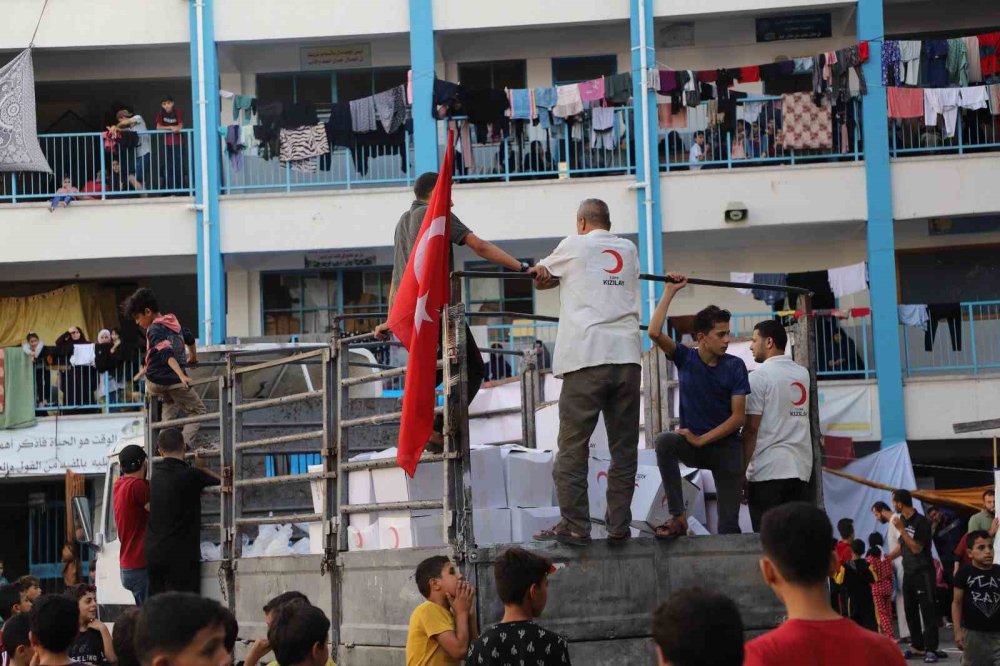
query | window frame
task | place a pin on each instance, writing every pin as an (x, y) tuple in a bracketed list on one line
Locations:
[(492, 63), (607, 58), (332, 73)]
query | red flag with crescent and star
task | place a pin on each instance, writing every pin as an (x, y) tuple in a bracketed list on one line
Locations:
[(416, 314)]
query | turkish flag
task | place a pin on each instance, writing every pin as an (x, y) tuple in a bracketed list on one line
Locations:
[(416, 315)]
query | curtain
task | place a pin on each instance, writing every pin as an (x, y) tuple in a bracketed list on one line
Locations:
[(18, 390), (51, 313)]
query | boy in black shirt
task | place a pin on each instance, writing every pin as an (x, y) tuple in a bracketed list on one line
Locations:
[(164, 365), (54, 621), (975, 609), (857, 582), (918, 576), (181, 629), (299, 636), (17, 640), (522, 579)]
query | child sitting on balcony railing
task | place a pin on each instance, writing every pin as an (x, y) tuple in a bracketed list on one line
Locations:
[(64, 195)]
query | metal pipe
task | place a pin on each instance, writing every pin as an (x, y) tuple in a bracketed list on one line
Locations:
[(283, 439), (274, 480), (200, 418), (379, 419), (280, 520), (647, 190), (283, 400), (294, 358), (393, 506), (725, 283), (206, 183), (380, 463)]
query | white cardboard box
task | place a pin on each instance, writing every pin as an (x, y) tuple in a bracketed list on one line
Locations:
[(316, 538), (361, 490), (649, 502), (528, 475), (429, 529), (489, 489), (400, 529), (491, 526), (364, 538), (526, 522), (391, 484)]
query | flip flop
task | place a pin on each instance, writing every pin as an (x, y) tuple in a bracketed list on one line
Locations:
[(673, 528), (562, 535)]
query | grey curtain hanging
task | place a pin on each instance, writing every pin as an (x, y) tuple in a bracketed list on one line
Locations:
[(19, 149)]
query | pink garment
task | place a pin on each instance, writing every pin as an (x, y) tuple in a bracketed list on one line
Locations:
[(669, 120), (592, 91), (468, 155), (905, 102), (409, 86), (831, 59)]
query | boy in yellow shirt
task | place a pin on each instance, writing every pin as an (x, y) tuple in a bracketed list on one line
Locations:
[(442, 627)]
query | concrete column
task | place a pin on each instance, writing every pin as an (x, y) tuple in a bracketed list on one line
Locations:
[(880, 232), (422, 63), (647, 171), (205, 93)]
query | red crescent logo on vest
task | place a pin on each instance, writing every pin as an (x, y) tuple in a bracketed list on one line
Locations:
[(804, 394), (603, 475), (618, 262)]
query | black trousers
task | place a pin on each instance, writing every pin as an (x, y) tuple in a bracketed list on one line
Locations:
[(918, 604), (765, 495), (475, 371), (175, 576)]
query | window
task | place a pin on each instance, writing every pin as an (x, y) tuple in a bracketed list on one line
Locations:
[(497, 75), (497, 295), (304, 302), (324, 88), (574, 70)]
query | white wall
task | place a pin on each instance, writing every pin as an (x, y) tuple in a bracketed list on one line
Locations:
[(76, 23), (945, 186), (676, 9), (367, 218), (463, 15), (97, 230), (934, 404), (152, 62), (244, 20)]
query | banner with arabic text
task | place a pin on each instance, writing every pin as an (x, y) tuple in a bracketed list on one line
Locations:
[(77, 443)]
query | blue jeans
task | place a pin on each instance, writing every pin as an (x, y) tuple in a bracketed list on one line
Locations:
[(136, 581), (62, 198)]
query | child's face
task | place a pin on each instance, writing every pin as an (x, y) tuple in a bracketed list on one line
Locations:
[(67, 182), (167, 106), (449, 579), (144, 319), (982, 553), (88, 607), (33, 341), (207, 648), (32, 593)]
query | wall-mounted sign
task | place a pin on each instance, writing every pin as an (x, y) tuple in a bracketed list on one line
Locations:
[(344, 56), (802, 26), (340, 259), (51, 447)]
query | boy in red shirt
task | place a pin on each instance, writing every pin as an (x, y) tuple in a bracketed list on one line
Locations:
[(131, 506), (798, 558)]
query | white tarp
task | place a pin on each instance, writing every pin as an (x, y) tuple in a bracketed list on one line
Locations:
[(77, 443), (845, 411), (844, 498)]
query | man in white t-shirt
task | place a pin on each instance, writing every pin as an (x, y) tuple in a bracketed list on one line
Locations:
[(140, 170), (598, 357), (777, 444), (697, 152)]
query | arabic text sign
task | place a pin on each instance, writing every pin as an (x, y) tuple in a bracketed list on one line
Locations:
[(344, 56), (340, 259), (52, 446)]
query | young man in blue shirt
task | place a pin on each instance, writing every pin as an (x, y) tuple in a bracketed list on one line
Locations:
[(713, 395)]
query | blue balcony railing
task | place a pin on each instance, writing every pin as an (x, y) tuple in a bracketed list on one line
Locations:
[(757, 141), (560, 151), (974, 133), (966, 342), (364, 166), (160, 166)]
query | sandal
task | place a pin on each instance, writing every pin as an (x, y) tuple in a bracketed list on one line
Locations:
[(620, 537), (673, 528), (913, 654), (562, 535)]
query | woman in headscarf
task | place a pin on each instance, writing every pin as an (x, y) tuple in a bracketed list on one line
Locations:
[(35, 349), (78, 382), (109, 359)]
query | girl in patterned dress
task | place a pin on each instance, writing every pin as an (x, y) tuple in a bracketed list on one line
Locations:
[(882, 587)]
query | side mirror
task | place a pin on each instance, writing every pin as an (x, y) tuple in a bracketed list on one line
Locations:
[(82, 526)]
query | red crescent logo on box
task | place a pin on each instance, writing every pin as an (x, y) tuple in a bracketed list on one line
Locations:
[(361, 540), (804, 394), (618, 262), (395, 535)]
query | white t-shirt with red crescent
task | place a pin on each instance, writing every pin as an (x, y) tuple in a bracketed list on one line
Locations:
[(779, 394), (598, 301)]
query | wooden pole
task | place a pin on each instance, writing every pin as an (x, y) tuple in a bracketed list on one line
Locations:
[(994, 453)]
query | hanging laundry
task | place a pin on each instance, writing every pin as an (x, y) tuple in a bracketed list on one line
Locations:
[(989, 54), (249, 140), (21, 150), (299, 114), (363, 115), (892, 66), (592, 91), (952, 314), (409, 86), (905, 102), (957, 63), (724, 80), (602, 128), (339, 128), (742, 278), (855, 58), (749, 74), (522, 104), (933, 63), (819, 81), (993, 91), (569, 102), (972, 52), (545, 100), (302, 146), (233, 148), (914, 315), (769, 296), (667, 119), (652, 79), (802, 66), (818, 282), (245, 104), (707, 75), (618, 88), (751, 111), (390, 106), (848, 280), (943, 102), (909, 55), (806, 125), (973, 97), (667, 81)]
